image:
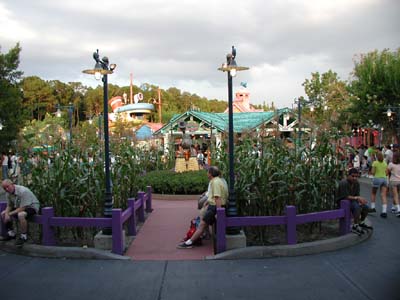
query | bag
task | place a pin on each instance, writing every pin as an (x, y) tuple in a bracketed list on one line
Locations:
[(194, 223), (202, 199)]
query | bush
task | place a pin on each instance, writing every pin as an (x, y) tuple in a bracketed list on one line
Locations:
[(169, 182)]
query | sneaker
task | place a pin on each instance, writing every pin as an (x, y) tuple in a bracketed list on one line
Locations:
[(393, 210), (365, 226), (184, 246), (383, 215), (357, 229), (6, 238), (398, 214), (20, 241), (371, 210)]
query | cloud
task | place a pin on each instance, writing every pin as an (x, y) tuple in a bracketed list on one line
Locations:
[(182, 43)]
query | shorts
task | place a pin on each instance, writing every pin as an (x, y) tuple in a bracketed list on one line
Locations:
[(394, 184), (209, 216), (379, 182)]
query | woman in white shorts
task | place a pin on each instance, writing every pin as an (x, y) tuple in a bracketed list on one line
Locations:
[(393, 171)]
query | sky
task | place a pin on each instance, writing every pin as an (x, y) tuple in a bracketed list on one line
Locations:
[(182, 43)]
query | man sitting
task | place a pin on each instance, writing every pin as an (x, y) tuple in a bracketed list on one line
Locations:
[(349, 189), (21, 203)]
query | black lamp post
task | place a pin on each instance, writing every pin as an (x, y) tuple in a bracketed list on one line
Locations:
[(231, 67), (300, 103), (101, 70), (395, 110), (70, 108)]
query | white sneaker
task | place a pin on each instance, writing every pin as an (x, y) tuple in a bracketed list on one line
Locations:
[(393, 210)]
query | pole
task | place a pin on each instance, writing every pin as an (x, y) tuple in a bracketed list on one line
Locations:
[(299, 120), (108, 201), (232, 210), (70, 110)]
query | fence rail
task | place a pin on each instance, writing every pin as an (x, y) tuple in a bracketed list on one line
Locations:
[(48, 220), (290, 219)]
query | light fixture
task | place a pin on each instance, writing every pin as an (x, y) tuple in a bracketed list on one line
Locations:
[(1, 125), (58, 113), (389, 112), (312, 108)]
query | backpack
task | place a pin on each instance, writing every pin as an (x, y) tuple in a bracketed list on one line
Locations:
[(194, 223)]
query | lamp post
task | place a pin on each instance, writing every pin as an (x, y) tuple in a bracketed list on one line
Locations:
[(395, 110), (1, 125), (231, 68), (70, 108), (300, 103), (101, 70)]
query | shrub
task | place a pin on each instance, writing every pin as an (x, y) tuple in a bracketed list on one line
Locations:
[(169, 182)]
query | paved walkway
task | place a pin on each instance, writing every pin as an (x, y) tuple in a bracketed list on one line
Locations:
[(163, 230)]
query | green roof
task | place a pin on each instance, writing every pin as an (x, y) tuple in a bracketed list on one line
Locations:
[(241, 121)]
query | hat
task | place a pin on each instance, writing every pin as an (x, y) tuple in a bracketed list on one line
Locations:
[(353, 171)]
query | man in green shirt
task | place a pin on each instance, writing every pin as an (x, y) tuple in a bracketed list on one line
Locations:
[(22, 204), (217, 197)]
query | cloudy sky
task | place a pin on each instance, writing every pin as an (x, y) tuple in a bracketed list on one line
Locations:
[(181, 43)]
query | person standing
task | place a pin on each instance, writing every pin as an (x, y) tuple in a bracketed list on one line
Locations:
[(349, 189), (217, 197), (21, 203), (393, 171), (379, 181), (4, 165)]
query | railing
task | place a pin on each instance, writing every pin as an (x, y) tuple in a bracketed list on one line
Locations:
[(116, 222), (290, 219)]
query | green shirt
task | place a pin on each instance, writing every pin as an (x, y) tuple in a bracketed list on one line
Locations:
[(22, 197), (380, 169)]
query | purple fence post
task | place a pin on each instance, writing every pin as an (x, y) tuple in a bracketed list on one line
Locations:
[(116, 226), (148, 200), (221, 226), (132, 218), (3, 229), (291, 234), (344, 223), (47, 230), (141, 207)]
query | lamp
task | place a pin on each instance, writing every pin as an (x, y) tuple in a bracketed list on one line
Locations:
[(231, 67), (70, 108), (101, 69)]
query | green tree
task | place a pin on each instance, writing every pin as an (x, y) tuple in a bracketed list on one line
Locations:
[(10, 96), (375, 85), (328, 94)]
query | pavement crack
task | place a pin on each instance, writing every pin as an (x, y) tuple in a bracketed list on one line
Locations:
[(162, 281), (351, 281)]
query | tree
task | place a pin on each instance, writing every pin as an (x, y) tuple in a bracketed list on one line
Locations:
[(375, 85), (10, 96), (328, 94)]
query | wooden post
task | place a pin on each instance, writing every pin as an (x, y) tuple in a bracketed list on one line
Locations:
[(116, 226), (221, 228), (132, 218), (291, 234), (47, 230)]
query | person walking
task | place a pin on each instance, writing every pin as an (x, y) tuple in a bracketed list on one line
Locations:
[(217, 197), (22, 204), (379, 181), (393, 171)]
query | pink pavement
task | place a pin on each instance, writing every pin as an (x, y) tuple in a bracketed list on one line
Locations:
[(163, 230)]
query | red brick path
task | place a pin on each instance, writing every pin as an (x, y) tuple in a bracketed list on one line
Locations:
[(163, 230)]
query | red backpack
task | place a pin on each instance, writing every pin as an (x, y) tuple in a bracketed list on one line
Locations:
[(192, 230)]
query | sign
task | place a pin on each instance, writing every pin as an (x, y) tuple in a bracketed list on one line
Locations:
[(192, 126)]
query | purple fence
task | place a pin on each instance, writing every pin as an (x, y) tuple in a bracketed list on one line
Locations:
[(290, 219), (116, 222)]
